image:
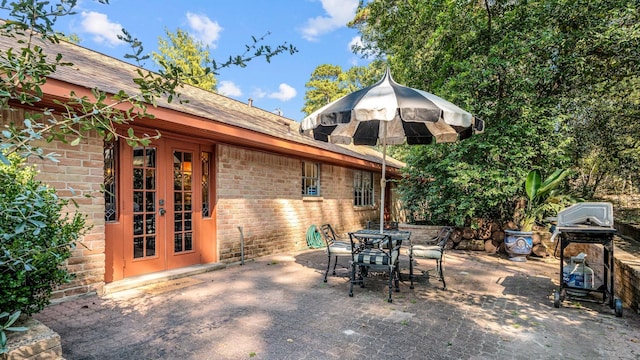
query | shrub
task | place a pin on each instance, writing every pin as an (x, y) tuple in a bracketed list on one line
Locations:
[(37, 236)]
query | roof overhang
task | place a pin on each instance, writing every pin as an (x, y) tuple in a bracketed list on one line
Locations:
[(181, 123)]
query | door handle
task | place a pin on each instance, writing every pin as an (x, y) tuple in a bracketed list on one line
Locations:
[(162, 211)]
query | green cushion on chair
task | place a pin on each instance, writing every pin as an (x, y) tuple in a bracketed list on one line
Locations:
[(427, 251)]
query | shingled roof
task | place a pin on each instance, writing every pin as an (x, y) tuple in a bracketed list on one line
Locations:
[(95, 70)]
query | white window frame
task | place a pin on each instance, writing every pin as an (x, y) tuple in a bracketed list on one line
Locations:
[(363, 189), (310, 178)]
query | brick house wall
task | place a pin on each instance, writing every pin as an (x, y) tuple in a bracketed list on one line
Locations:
[(78, 175), (260, 192), (255, 190), (257, 159)]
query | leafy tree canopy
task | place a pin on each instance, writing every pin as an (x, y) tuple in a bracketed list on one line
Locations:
[(72, 38), (555, 81), (182, 51), (330, 82)]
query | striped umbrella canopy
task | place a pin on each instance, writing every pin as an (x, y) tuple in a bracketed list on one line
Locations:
[(387, 113)]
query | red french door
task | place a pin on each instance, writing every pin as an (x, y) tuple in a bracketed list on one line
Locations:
[(182, 199), (162, 206)]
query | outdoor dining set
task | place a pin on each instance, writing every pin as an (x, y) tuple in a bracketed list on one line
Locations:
[(372, 251)]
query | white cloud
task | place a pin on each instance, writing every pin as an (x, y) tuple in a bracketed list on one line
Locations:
[(204, 29), (339, 12), (258, 93), (228, 88), (103, 30), (285, 92)]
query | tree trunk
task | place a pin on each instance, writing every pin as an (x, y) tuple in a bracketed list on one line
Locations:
[(536, 239), (468, 233), (456, 236), (540, 250), (498, 237), (490, 247), (449, 244), (470, 244), (484, 233)]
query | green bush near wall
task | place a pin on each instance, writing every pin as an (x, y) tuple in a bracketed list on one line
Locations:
[(37, 235)]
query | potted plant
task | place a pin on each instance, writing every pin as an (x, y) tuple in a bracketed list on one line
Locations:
[(543, 199)]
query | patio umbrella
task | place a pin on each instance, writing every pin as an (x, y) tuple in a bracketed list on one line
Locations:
[(387, 113)]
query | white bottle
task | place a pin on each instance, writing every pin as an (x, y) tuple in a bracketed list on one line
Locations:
[(578, 275)]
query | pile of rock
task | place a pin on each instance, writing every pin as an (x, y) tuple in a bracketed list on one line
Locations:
[(489, 236)]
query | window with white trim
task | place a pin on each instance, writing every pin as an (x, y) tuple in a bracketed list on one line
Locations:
[(362, 188), (310, 179)]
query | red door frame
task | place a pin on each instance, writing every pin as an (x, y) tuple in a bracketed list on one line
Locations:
[(119, 262)]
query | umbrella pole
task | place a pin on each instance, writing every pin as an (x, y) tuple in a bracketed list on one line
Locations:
[(383, 180)]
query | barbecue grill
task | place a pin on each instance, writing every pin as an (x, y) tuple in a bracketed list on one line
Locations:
[(588, 223)]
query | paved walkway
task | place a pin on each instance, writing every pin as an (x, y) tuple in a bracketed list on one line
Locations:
[(279, 308)]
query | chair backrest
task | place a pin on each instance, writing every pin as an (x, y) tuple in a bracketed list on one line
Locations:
[(388, 225), (370, 240), (328, 234), (443, 236)]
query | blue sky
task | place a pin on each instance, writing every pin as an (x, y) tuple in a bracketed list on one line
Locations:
[(315, 27)]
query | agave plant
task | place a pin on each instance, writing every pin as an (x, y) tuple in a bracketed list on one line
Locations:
[(543, 197)]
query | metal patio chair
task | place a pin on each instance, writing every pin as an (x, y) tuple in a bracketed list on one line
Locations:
[(374, 253), (434, 250), (336, 246)]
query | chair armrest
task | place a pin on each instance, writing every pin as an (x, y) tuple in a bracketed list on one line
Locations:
[(442, 237)]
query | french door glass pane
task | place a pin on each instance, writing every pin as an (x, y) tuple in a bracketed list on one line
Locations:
[(110, 181), (151, 245), (182, 195), (205, 156), (144, 196)]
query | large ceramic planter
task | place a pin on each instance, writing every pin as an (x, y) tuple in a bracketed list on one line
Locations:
[(518, 244)]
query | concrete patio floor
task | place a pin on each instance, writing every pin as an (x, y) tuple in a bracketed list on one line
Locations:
[(279, 308)]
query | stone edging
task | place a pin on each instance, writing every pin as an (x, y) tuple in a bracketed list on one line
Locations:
[(39, 342)]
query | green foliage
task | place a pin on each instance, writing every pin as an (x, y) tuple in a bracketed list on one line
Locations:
[(323, 87), (188, 55), (72, 38), (7, 325), (555, 82), (25, 70), (603, 92), (37, 235), (544, 198)]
